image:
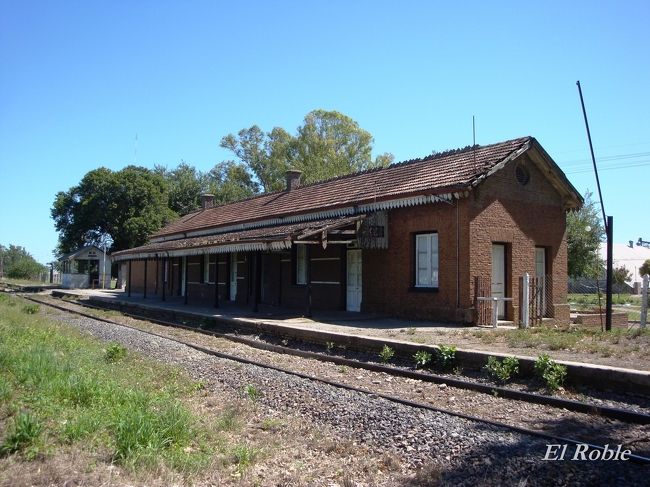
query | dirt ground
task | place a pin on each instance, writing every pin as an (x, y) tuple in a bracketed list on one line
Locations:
[(618, 348)]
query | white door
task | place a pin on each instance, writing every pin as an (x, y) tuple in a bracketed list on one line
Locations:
[(354, 281), (233, 276), (540, 273), (499, 276)]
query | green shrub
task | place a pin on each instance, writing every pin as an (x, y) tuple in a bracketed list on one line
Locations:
[(422, 358), (552, 373), (329, 346), (228, 420), (251, 391), (31, 309), (5, 390), (502, 371), (386, 354), (23, 433), (79, 390), (114, 353), (143, 432), (244, 455), (446, 356)]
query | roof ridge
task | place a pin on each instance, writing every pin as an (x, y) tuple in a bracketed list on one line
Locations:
[(269, 196), (430, 157)]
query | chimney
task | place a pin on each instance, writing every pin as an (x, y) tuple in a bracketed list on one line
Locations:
[(293, 179), (207, 201)]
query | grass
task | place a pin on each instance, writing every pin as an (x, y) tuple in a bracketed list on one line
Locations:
[(62, 388), (578, 339), (585, 301), (23, 282)]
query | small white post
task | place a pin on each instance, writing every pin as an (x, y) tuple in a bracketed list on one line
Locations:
[(104, 268), (644, 301), (495, 311), (525, 304)]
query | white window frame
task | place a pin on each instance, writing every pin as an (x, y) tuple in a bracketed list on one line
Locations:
[(301, 265), (427, 261)]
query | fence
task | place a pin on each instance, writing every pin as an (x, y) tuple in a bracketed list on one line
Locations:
[(535, 298), (482, 289), (644, 302), (538, 290)]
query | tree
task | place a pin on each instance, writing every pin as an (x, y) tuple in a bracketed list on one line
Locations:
[(331, 144), (584, 235), (620, 275), (185, 185), (266, 155), (327, 144), (230, 181), (17, 263), (124, 207), (644, 270)]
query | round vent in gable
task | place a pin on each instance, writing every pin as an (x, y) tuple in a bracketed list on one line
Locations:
[(522, 175)]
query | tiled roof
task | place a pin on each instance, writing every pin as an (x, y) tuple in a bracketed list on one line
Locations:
[(279, 233), (436, 174)]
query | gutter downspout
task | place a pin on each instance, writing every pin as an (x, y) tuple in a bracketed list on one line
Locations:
[(457, 256)]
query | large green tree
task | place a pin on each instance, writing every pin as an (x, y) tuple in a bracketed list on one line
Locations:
[(17, 263), (122, 207), (230, 181), (185, 185), (331, 144), (326, 145), (584, 234)]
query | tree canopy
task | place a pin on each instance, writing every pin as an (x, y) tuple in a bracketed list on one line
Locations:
[(125, 207), (584, 234), (326, 145), (17, 263), (644, 270)]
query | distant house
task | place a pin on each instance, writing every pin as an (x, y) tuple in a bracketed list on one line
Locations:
[(83, 268), (420, 239), (632, 258)]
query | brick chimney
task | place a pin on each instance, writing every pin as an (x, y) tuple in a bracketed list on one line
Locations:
[(207, 201), (293, 179)]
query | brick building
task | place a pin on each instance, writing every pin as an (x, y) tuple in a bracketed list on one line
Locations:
[(419, 239)]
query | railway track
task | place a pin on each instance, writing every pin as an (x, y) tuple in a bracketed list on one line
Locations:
[(614, 413)]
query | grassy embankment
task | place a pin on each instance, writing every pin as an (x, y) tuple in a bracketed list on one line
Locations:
[(62, 391), (627, 303)]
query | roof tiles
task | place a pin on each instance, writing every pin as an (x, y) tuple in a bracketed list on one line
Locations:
[(435, 174)]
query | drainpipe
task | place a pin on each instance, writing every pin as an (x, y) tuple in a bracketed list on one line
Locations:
[(457, 256)]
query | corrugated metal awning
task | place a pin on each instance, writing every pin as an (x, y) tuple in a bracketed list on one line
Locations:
[(279, 237)]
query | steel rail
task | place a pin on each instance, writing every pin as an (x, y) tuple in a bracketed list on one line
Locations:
[(634, 457), (620, 414)]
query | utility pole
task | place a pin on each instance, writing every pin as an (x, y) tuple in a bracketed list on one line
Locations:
[(608, 221)]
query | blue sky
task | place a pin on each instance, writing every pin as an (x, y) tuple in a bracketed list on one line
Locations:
[(79, 80)]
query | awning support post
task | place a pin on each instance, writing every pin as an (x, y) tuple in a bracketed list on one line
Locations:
[(144, 294), (129, 280), (216, 279)]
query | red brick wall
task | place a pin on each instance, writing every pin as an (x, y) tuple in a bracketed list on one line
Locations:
[(522, 217), (500, 210), (388, 275)]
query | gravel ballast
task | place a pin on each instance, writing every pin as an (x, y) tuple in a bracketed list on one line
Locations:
[(460, 450)]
